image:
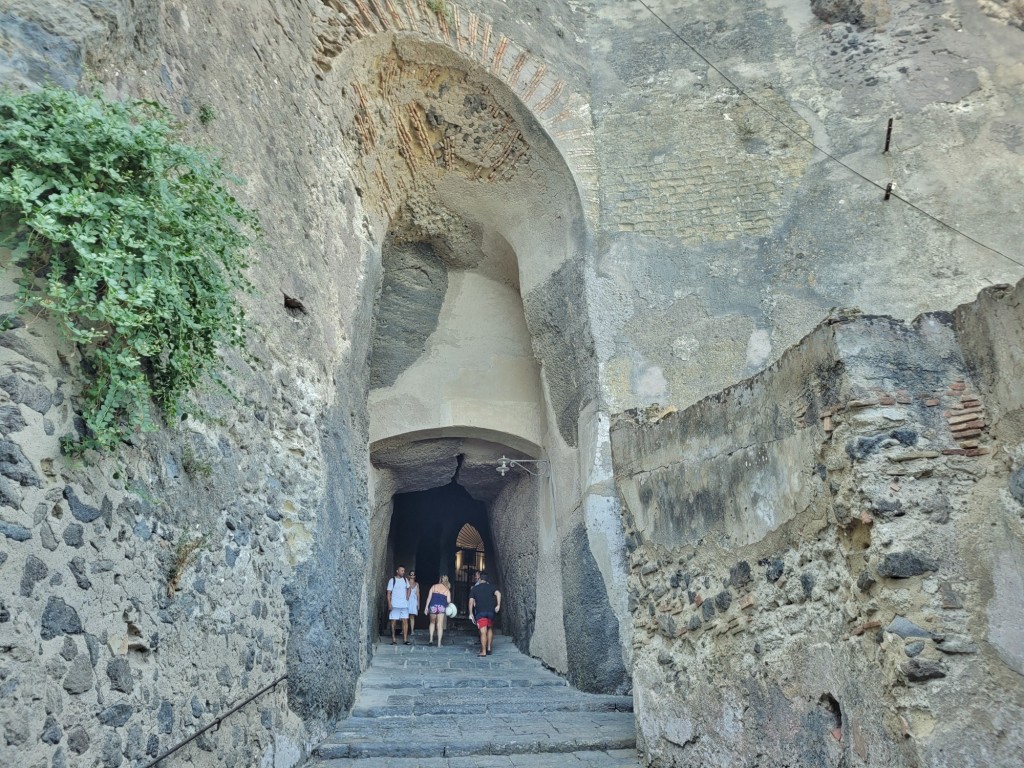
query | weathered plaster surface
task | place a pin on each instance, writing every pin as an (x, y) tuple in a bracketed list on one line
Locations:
[(724, 238), (476, 370)]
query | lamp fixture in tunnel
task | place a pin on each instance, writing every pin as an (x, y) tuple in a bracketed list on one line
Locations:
[(506, 464)]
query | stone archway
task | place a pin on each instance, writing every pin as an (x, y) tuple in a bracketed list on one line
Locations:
[(476, 243), (513, 505), (481, 321), (448, 156)]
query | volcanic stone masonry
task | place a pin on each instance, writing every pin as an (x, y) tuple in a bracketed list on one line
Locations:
[(826, 558)]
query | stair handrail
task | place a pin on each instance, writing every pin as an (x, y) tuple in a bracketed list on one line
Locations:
[(215, 723)]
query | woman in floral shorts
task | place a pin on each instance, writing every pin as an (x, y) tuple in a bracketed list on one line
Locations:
[(437, 600)]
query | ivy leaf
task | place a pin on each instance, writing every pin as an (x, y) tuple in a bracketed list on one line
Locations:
[(131, 240)]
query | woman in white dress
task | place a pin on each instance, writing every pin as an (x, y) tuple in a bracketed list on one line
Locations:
[(414, 601)]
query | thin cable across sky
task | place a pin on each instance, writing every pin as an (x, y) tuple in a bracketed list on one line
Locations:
[(884, 188)]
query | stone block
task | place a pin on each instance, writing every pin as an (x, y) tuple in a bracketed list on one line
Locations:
[(15, 466), (116, 715), (904, 565), (903, 627), (78, 740), (82, 512), (119, 673), (922, 670), (79, 678), (14, 531), (59, 618), (35, 571), (52, 733)]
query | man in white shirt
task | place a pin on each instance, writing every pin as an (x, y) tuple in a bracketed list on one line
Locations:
[(398, 604)]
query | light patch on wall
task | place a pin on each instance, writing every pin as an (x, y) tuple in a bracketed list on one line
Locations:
[(684, 347), (298, 541), (660, 718), (283, 753), (616, 375), (651, 386), (759, 349), (603, 517), (1006, 611), (797, 15), (764, 511)]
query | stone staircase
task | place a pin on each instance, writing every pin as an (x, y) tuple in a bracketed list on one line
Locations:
[(428, 707)]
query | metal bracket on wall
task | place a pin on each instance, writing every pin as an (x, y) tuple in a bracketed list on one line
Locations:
[(506, 464)]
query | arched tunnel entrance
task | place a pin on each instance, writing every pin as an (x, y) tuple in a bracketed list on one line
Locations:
[(475, 247), (482, 348), (449, 511), (442, 531)]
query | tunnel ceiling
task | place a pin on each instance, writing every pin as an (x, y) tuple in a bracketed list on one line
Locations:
[(421, 464), (415, 122)]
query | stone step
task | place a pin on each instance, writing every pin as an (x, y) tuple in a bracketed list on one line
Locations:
[(619, 758), (460, 681), (456, 665), (420, 705), (437, 736), (390, 702), (468, 664), (464, 664), (421, 651)]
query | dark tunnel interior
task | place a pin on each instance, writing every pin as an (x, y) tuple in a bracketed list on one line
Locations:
[(442, 531)]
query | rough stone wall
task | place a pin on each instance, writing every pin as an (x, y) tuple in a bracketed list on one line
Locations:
[(412, 293), (115, 644), (514, 524), (100, 664), (826, 557), (595, 660)]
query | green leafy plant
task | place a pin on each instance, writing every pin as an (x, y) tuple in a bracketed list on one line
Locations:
[(207, 114), (744, 128), (131, 240), (442, 9)]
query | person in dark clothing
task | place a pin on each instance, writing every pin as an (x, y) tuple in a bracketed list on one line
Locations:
[(484, 605)]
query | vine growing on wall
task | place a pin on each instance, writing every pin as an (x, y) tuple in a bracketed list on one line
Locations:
[(131, 240)]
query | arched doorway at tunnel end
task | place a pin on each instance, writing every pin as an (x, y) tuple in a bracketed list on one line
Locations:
[(442, 531), (428, 488)]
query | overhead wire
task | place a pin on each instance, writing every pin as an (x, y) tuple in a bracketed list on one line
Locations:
[(887, 189)]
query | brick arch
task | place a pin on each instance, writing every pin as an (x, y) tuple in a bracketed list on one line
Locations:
[(564, 114)]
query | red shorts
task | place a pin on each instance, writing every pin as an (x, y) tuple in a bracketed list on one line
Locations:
[(484, 621)]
